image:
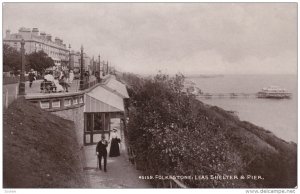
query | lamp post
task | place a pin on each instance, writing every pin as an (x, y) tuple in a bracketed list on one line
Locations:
[(107, 68), (69, 57), (93, 65), (99, 64), (103, 68), (22, 75), (81, 84)]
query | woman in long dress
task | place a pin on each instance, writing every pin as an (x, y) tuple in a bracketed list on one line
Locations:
[(114, 147), (50, 77), (59, 87), (71, 76)]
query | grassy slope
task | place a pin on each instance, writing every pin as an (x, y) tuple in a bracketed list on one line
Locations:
[(261, 151), (39, 149)]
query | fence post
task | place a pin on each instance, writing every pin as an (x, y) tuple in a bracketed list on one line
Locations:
[(78, 85), (16, 96)]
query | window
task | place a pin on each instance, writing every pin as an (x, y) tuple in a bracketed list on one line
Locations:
[(67, 102), (75, 101), (45, 104), (98, 121), (56, 104), (81, 100), (107, 121), (89, 122)]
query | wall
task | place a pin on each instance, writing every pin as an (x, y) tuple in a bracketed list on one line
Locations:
[(75, 115), (69, 106), (9, 94)]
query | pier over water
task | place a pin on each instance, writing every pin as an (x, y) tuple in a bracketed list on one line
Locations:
[(227, 95)]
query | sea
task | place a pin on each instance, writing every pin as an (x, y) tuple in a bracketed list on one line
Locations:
[(276, 115)]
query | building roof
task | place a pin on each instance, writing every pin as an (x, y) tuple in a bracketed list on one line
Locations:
[(103, 100), (29, 36), (116, 87), (107, 97)]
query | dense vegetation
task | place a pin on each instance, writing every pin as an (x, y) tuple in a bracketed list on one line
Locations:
[(11, 59), (39, 61), (173, 133)]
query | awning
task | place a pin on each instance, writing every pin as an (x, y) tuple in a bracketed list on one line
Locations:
[(103, 100)]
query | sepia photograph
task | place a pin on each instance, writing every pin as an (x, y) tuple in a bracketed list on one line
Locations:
[(105, 95)]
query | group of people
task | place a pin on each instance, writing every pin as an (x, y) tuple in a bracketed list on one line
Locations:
[(67, 75), (101, 150), (61, 81), (54, 84)]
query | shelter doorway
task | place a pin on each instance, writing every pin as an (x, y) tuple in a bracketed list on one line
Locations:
[(96, 124)]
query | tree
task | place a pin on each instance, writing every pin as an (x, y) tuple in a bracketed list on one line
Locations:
[(11, 59), (173, 133), (39, 61)]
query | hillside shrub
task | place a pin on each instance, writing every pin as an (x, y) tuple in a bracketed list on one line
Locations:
[(173, 133)]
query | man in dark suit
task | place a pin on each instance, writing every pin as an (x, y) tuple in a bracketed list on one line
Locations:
[(102, 152), (31, 77)]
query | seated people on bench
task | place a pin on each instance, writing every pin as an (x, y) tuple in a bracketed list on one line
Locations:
[(50, 77)]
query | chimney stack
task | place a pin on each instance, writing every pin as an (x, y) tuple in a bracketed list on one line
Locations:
[(57, 40), (7, 33), (35, 31), (49, 37), (43, 35)]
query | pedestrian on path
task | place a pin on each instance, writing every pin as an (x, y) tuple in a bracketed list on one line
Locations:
[(31, 77), (114, 147), (63, 82), (102, 152), (61, 74)]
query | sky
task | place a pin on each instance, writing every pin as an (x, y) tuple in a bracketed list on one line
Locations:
[(190, 38)]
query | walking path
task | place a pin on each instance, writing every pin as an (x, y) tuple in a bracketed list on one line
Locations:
[(120, 173)]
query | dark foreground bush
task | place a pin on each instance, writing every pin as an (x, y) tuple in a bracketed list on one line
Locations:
[(175, 134)]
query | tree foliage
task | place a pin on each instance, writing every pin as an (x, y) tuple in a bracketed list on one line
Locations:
[(11, 59), (173, 133), (39, 61)]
